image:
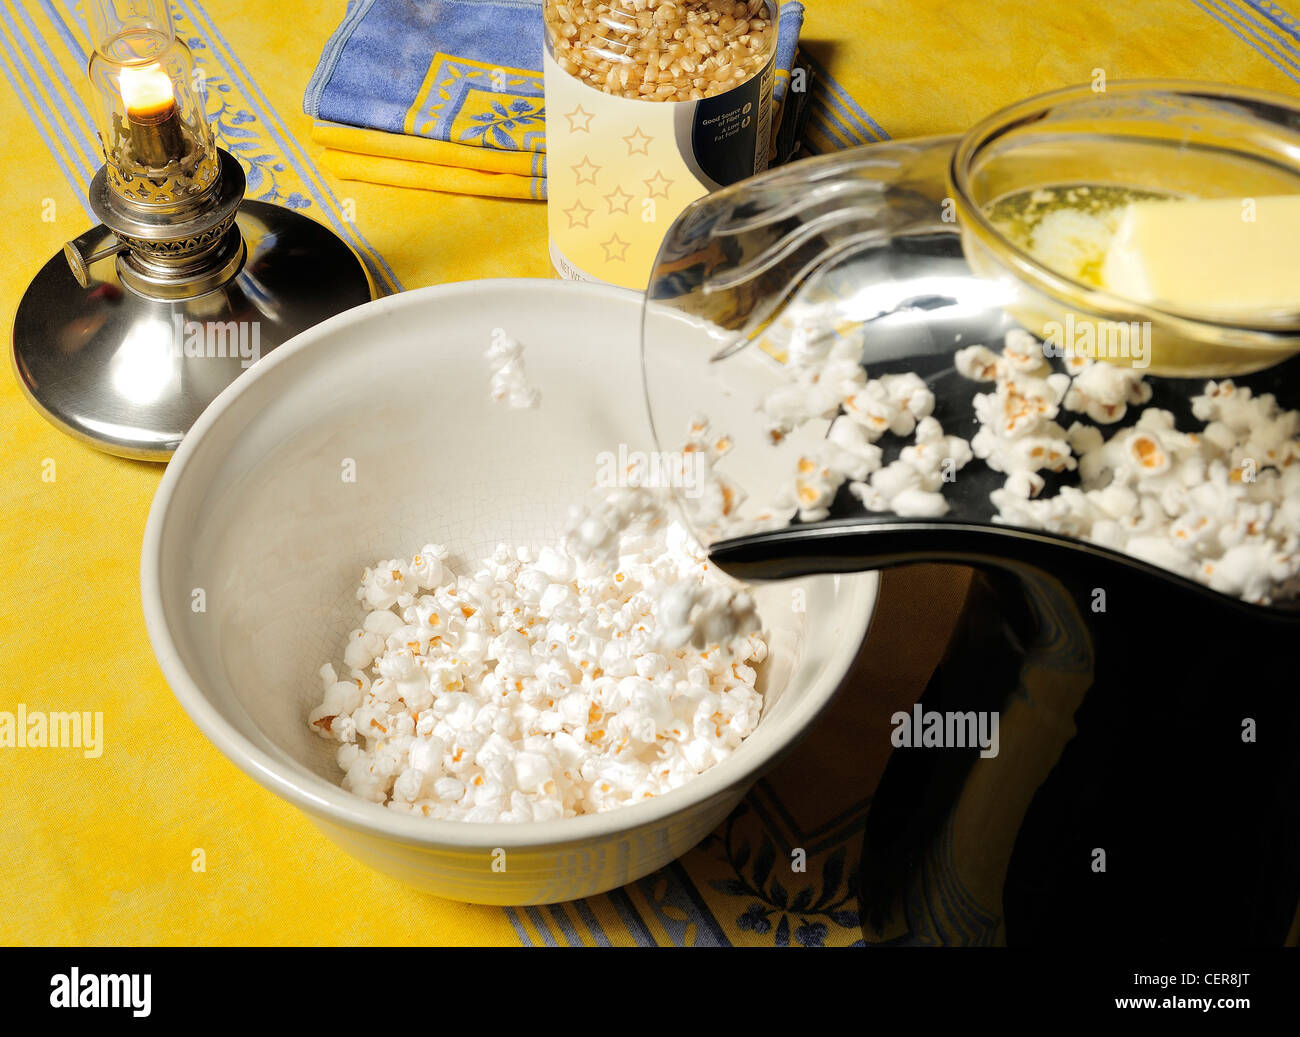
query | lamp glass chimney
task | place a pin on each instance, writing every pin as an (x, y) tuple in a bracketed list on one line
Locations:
[(153, 126)]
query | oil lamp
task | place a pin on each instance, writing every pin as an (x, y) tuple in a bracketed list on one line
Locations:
[(126, 337)]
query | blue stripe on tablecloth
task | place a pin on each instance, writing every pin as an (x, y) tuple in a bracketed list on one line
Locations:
[(64, 30), (80, 123), (1262, 30), (565, 924), (15, 72), (293, 154), (45, 98), (1233, 27), (1274, 21), (703, 916), (851, 114), (1276, 14), (627, 911), (539, 923), (520, 931), (593, 925), (837, 135)]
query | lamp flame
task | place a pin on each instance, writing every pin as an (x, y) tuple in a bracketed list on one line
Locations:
[(147, 93)]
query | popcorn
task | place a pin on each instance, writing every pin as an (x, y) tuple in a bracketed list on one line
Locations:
[(914, 502), (1250, 570), (911, 486), (1022, 405), (850, 449), (1018, 433), (509, 381), (1221, 506), (891, 403), (815, 486), (600, 672), (1022, 352), (913, 398), (427, 566), (387, 584), (825, 380), (1024, 454), (1104, 391), (896, 478), (978, 363), (1024, 484)]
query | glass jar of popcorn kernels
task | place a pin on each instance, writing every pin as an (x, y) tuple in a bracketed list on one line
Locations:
[(650, 104)]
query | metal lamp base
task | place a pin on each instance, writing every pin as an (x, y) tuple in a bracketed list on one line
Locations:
[(130, 374)]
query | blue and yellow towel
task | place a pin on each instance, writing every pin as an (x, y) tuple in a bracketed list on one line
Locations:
[(446, 95)]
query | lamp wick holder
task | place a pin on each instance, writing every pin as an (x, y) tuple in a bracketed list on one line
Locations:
[(177, 249)]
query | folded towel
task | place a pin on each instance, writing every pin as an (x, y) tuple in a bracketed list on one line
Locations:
[(402, 160), (447, 95)]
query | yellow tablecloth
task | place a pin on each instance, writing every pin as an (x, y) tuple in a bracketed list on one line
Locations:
[(102, 850)]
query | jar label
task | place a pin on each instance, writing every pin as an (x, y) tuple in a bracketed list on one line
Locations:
[(730, 134), (620, 170)]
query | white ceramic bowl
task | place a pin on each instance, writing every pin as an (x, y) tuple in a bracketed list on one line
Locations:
[(255, 510)]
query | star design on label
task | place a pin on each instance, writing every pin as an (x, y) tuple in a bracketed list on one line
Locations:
[(658, 185), (618, 200), (580, 120), (615, 249), (586, 170), (638, 143), (578, 214)]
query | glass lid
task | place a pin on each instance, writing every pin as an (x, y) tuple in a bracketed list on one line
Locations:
[(951, 338)]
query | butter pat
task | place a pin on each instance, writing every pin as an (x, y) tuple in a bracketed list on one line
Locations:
[(1208, 254)]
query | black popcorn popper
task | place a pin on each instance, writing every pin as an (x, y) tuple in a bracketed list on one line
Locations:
[(1146, 787)]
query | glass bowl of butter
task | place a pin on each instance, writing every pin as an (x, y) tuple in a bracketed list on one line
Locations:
[(1150, 223)]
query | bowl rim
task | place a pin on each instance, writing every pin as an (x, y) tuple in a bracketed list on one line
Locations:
[(331, 803), (1276, 334)]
